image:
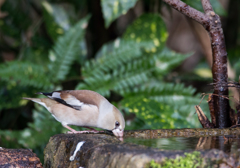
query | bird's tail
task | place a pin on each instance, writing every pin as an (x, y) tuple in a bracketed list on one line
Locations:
[(37, 100)]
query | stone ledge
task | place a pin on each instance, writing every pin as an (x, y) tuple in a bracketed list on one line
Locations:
[(100, 150), (18, 158), (186, 132)]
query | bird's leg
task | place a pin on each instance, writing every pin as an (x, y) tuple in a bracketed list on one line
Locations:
[(93, 130), (73, 131)]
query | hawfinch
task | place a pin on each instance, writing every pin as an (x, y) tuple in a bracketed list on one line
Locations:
[(83, 108)]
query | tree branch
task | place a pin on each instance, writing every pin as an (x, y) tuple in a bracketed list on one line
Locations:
[(207, 7), (188, 11), (212, 23)]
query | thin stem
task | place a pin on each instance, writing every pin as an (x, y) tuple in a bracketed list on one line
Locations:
[(188, 11), (207, 7)]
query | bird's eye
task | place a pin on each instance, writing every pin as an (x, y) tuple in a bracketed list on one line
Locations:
[(117, 124)]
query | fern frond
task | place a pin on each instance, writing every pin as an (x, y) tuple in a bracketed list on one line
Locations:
[(129, 65), (167, 60), (154, 114), (156, 88), (66, 50), (117, 73), (122, 51), (56, 19), (112, 9), (148, 27), (176, 96), (24, 74)]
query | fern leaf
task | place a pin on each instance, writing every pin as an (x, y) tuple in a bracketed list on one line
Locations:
[(176, 96), (126, 66), (66, 50), (56, 19), (148, 27), (154, 114), (121, 52), (168, 60), (24, 74), (112, 9)]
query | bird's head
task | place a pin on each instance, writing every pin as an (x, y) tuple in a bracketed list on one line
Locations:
[(113, 120), (119, 123)]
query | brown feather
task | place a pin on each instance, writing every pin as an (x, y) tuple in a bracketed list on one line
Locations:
[(85, 96)]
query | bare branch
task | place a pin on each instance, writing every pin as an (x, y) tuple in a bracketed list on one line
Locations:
[(203, 118), (212, 23), (207, 7), (188, 11)]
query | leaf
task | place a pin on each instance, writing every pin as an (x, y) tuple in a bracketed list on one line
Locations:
[(14, 26), (168, 60), (117, 70), (37, 134), (155, 115), (112, 9), (148, 27), (217, 7), (56, 19), (126, 66), (66, 50), (176, 96), (24, 74), (113, 55)]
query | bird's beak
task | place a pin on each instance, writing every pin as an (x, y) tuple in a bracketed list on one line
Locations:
[(118, 133)]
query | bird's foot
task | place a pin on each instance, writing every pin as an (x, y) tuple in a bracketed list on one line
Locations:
[(80, 132)]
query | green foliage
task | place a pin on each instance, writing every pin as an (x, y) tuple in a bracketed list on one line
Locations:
[(117, 69), (17, 76), (163, 105), (134, 68), (155, 115), (148, 28), (28, 74), (128, 65), (56, 19), (191, 160), (112, 9), (36, 135), (16, 24), (22, 79), (217, 7), (235, 61), (66, 50)]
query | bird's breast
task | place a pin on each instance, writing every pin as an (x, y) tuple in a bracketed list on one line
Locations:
[(87, 116)]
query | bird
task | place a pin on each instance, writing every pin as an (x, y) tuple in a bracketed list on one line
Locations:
[(83, 108)]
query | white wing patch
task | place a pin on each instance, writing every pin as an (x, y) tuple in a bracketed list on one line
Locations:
[(56, 95), (69, 99), (73, 101)]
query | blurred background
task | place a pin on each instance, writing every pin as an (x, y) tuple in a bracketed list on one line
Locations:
[(149, 60)]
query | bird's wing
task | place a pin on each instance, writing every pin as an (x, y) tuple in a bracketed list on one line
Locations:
[(64, 98), (86, 96), (75, 98)]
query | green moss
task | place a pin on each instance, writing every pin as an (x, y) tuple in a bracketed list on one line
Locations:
[(191, 160)]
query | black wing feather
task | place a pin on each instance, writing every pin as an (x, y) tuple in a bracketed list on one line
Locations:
[(49, 95)]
